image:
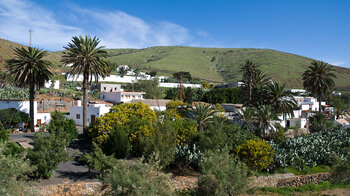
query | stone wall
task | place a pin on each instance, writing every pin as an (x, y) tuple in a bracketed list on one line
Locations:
[(269, 181), (72, 189), (303, 180)]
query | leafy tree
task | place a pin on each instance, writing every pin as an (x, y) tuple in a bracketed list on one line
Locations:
[(203, 114), (222, 174), (118, 143), (87, 59), (205, 85), (224, 95), (11, 117), (319, 122), (61, 125), (149, 86), (30, 70), (48, 152), (318, 79), (182, 75), (153, 73)]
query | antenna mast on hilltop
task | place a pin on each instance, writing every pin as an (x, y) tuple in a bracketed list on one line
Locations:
[(30, 37)]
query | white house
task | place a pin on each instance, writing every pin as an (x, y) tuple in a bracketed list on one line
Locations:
[(106, 87), (95, 109), (56, 85), (175, 85), (121, 97), (155, 104), (23, 106)]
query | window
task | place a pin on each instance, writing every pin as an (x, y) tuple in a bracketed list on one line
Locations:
[(133, 96), (104, 88), (115, 88), (78, 116)]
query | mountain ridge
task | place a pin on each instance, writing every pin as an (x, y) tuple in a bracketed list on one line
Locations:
[(206, 63)]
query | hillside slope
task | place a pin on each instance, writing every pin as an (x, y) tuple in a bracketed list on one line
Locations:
[(6, 52), (212, 64)]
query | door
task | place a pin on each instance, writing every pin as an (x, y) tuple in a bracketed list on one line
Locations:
[(38, 122), (93, 118)]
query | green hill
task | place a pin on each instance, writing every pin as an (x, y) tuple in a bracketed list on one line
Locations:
[(211, 64), (222, 65)]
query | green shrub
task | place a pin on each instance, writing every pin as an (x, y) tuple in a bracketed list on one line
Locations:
[(222, 174), (319, 122), (137, 178), (341, 171), (13, 173), (219, 135), (48, 152), (97, 160), (61, 125), (318, 148), (118, 143), (186, 130), (11, 117), (279, 137), (4, 134), (257, 154), (162, 145)]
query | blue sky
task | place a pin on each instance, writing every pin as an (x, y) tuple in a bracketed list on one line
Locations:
[(317, 29)]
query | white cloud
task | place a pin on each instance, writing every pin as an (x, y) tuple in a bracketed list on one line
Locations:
[(116, 29), (17, 17)]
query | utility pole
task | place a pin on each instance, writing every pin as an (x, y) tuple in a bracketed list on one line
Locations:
[(30, 37)]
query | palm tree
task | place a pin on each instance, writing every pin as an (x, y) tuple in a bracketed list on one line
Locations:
[(122, 71), (318, 79), (203, 114), (267, 119), (89, 59), (339, 106), (248, 117), (29, 70), (249, 70), (281, 101)]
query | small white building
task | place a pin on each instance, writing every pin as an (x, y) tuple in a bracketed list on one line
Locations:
[(106, 87), (56, 85), (121, 97), (175, 85), (23, 106), (155, 104), (95, 110)]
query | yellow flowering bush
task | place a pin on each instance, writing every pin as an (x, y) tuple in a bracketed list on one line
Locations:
[(136, 118), (175, 109), (185, 131), (257, 154)]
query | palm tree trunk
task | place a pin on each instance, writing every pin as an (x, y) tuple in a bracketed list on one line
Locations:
[(85, 100), (31, 105), (319, 104)]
